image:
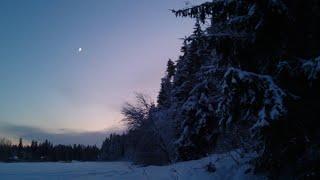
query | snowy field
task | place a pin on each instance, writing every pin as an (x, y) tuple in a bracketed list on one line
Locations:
[(226, 168)]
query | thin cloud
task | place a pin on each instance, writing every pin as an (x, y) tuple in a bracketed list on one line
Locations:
[(61, 136)]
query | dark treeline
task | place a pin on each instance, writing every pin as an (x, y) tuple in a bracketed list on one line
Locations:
[(46, 151)]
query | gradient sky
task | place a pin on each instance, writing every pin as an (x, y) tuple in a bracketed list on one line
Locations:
[(49, 88)]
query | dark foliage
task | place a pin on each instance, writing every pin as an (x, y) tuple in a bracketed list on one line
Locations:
[(46, 151), (248, 75), (268, 52)]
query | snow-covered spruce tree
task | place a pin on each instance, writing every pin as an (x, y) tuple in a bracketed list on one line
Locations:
[(193, 91), (263, 76), (227, 42)]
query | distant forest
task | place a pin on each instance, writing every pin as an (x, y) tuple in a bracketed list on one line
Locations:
[(46, 151)]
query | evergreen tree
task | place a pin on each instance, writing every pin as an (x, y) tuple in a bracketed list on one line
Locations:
[(20, 149), (5, 149), (262, 65), (166, 85), (34, 150), (171, 69)]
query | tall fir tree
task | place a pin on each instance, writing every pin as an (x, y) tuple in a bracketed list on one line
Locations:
[(20, 149), (164, 97)]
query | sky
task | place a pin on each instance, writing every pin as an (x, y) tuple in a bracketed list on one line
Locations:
[(50, 88)]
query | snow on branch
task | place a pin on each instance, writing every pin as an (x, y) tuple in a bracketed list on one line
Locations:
[(250, 97), (311, 68)]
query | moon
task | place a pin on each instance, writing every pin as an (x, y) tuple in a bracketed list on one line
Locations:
[(79, 49)]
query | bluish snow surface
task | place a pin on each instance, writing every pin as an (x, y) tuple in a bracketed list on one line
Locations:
[(226, 168)]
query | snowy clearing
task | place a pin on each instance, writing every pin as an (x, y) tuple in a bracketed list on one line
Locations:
[(226, 168)]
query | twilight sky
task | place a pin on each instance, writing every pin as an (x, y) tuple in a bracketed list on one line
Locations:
[(48, 89)]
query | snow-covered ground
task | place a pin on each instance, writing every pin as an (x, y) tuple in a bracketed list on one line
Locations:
[(226, 168)]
